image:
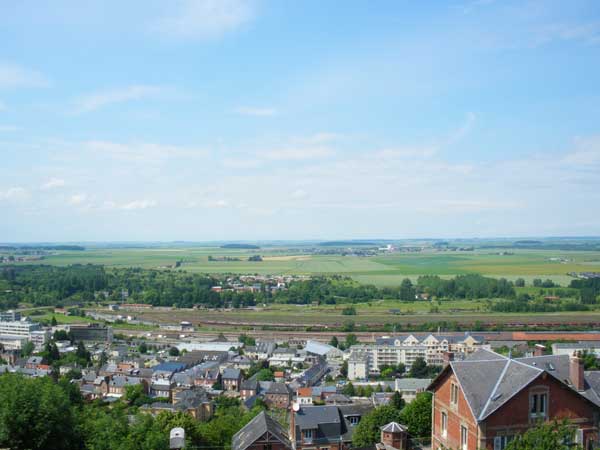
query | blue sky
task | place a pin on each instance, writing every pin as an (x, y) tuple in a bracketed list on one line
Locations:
[(263, 119)]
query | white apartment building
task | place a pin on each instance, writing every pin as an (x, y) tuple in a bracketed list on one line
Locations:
[(18, 328), (391, 351), (436, 345), (366, 359)]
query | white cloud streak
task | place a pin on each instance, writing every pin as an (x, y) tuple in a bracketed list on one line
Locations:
[(97, 100), (255, 111), (204, 19), (14, 76)]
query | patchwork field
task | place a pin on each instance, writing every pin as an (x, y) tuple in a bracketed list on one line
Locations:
[(379, 270)]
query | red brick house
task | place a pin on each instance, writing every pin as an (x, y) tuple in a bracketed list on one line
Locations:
[(485, 400)]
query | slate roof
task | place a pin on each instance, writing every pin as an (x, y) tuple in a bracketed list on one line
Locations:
[(169, 367), (251, 384), (330, 422), (231, 374), (257, 427), (279, 388), (488, 380)]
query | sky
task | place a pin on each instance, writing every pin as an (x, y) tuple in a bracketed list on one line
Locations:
[(206, 120)]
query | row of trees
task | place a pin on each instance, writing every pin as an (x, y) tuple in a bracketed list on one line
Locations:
[(38, 413)]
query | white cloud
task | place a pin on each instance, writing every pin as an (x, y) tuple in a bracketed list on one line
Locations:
[(137, 204), (586, 152), (255, 111), (14, 194), (298, 154), (15, 76), (299, 194), (204, 19), (77, 199), (142, 152), (53, 183), (241, 163), (406, 153), (100, 99)]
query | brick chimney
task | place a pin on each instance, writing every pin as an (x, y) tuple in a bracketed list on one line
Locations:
[(576, 371), (539, 350), (448, 358)]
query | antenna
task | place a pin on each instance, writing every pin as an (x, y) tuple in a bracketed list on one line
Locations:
[(296, 406)]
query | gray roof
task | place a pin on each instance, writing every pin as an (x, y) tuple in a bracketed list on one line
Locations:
[(256, 428), (231, 374), (412, 383), (279, 388), (488, 380)]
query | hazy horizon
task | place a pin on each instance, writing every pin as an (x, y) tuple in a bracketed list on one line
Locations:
[(222, 120)]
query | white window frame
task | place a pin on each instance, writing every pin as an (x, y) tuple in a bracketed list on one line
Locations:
[(444, 424), (500, 442), (538, 404), (464, 437)]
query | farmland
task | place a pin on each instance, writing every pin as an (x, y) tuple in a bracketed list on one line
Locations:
[(381, 270)]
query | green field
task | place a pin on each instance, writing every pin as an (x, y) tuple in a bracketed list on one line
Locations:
[(384, 270), (375, 314)]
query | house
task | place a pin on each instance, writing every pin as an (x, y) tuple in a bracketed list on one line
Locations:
[(304, 396), (194, 402), (249, 388), (261, 433), (325, 427), (261, 351), (231, 379), (410, 387), (118, 384), (483, 401), (393, 437), (278, 395)]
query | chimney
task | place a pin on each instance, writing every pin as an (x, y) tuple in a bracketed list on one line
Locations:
[(539, 350), (448, 358), (576, 371)]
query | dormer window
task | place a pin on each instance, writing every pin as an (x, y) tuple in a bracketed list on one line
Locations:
[(308, 436)]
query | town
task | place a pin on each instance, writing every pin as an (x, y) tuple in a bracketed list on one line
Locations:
[(463, 391)]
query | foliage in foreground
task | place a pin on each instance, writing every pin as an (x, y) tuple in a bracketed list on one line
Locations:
[(38, 413)]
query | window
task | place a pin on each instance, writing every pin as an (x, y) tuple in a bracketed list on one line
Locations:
[(454, 394), (308, 435), (444, 424), (353, 420), (539, 405), (464, 433), (501, 442)]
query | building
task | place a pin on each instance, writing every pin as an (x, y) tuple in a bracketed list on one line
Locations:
[(325, 427), (231, 379), (10, 316), (483, 401), (278, 395), (326, 351), (91, 333), (249, 388), (261, 433), (568, 348), (410, 387), (435, 345), (261, 351), (358, 364), (18, 328), (393, 437)]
